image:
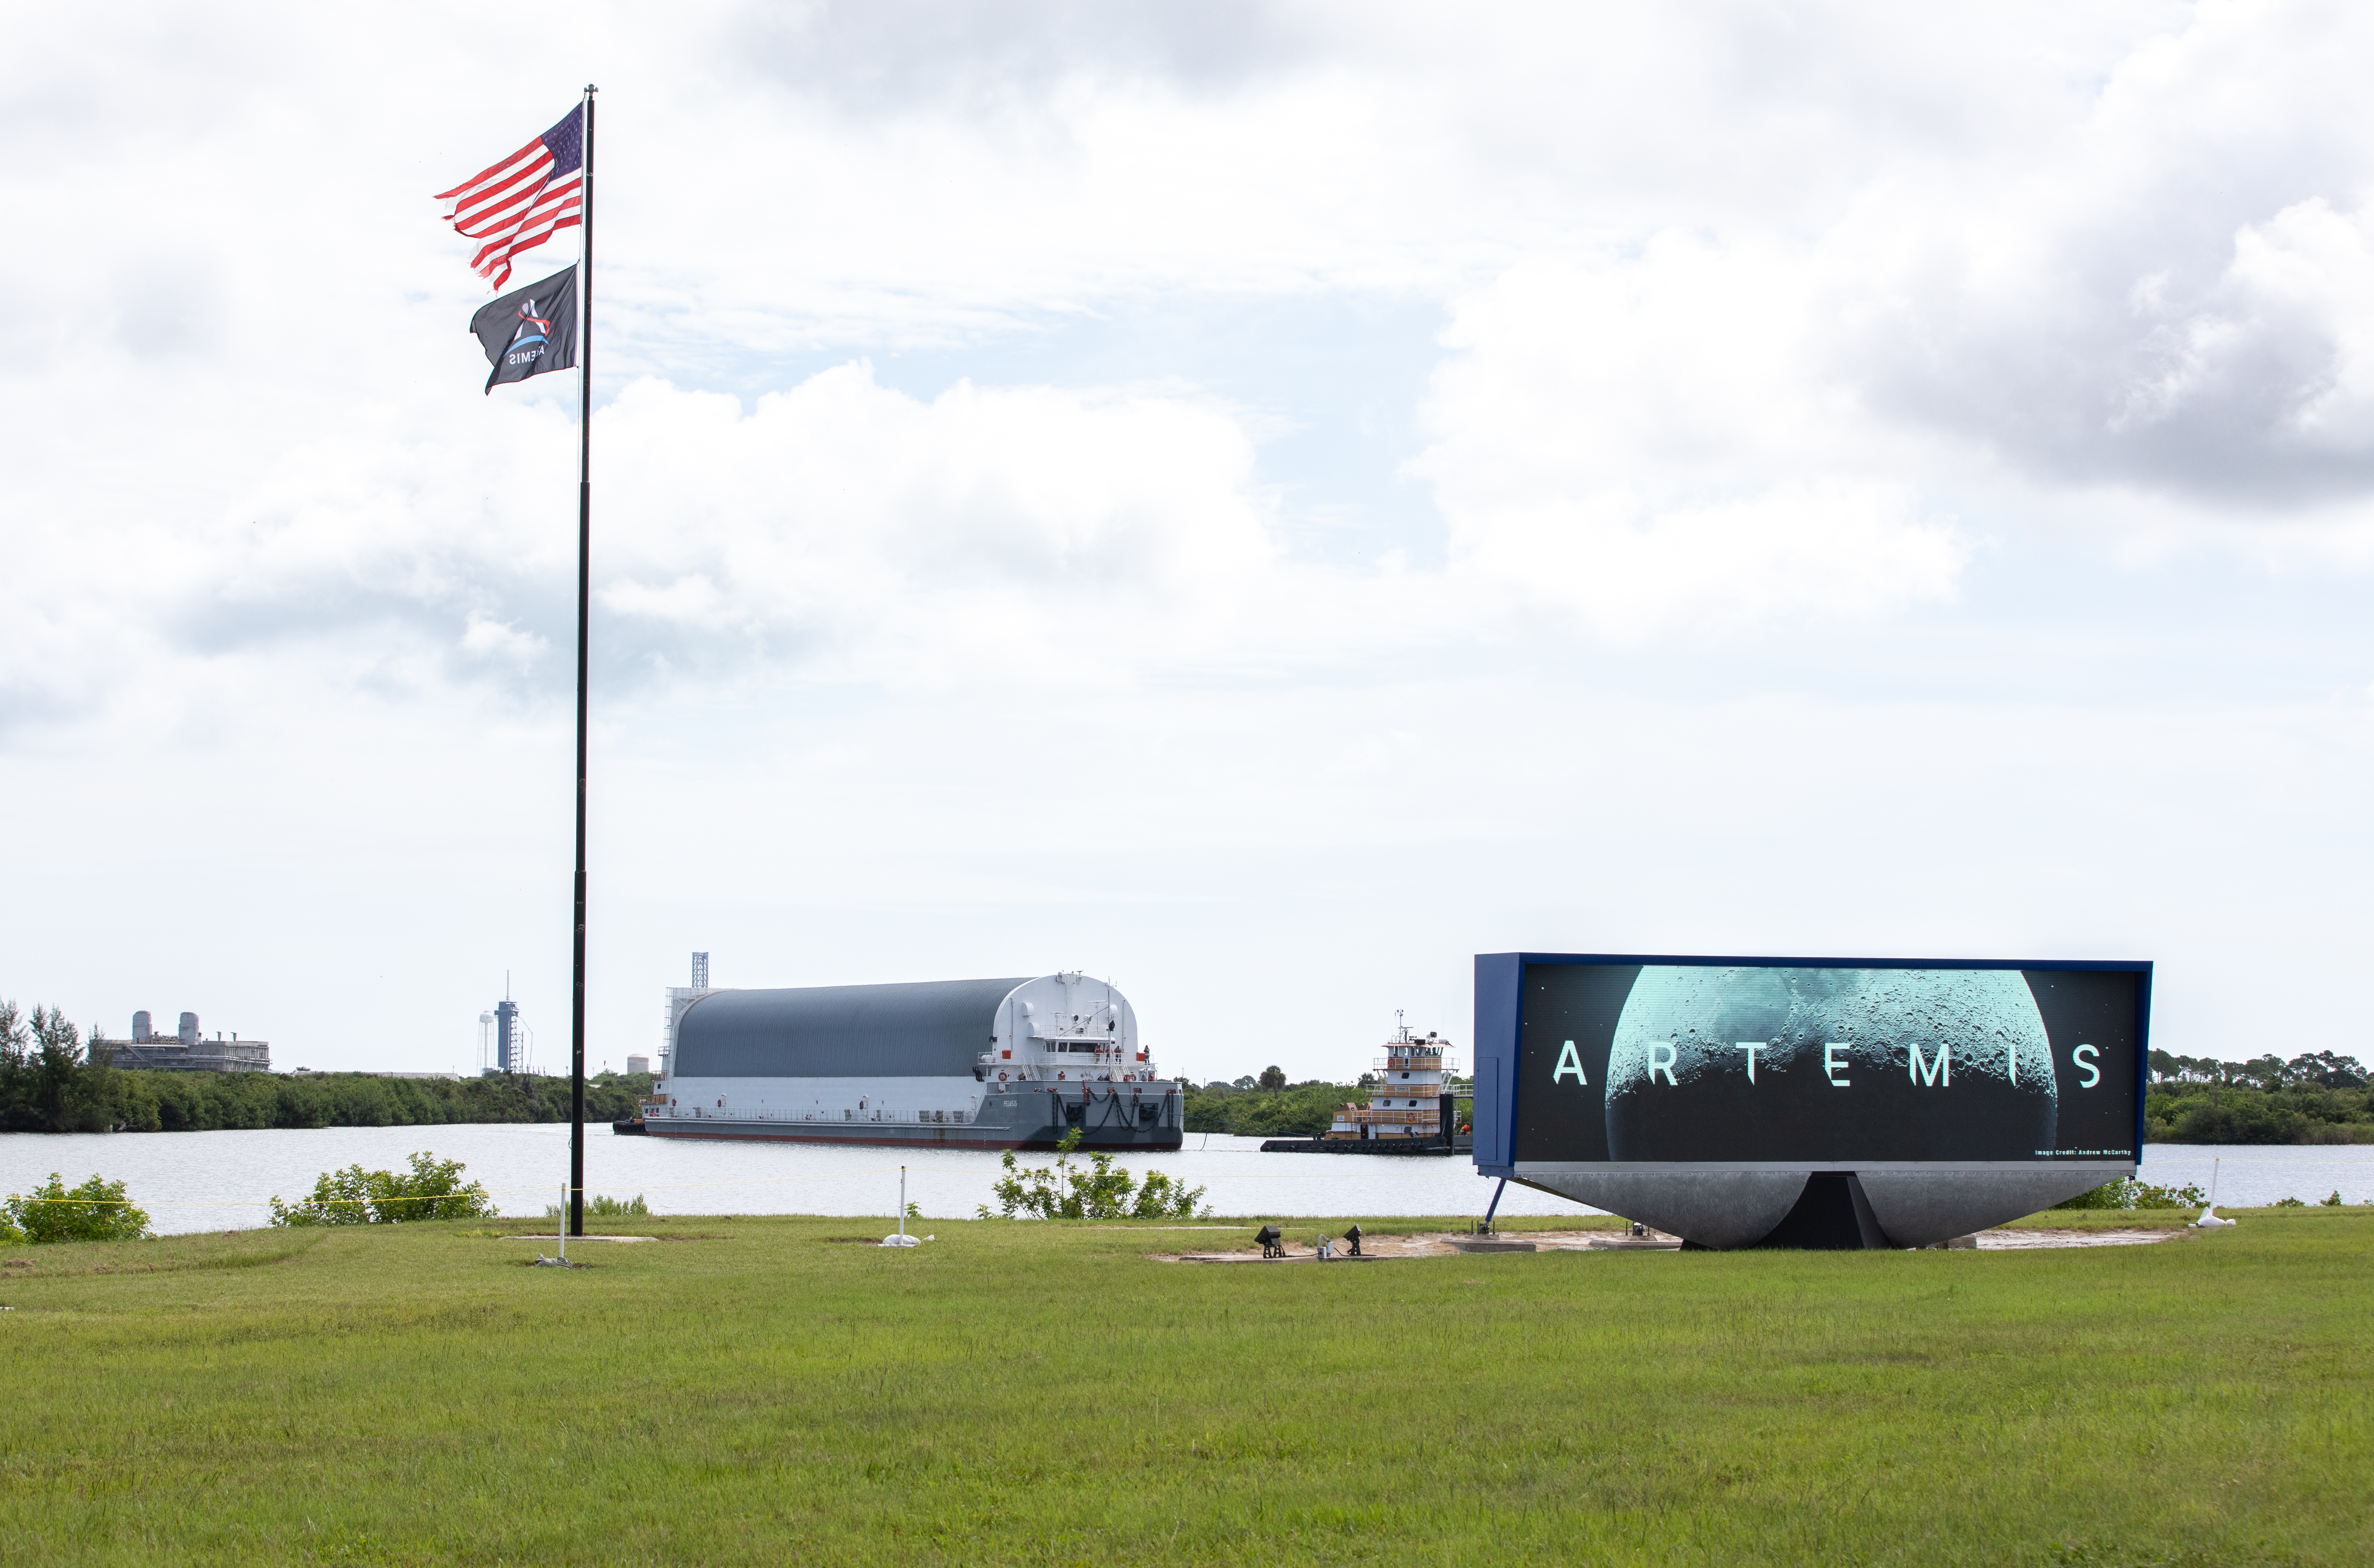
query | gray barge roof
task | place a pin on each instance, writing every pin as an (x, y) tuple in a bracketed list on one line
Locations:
[(927, 1029)]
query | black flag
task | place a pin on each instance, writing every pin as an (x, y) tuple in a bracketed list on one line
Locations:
[(531, 330)]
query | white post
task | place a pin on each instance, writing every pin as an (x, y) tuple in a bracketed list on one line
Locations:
[(563, 1226), (902, 1200)]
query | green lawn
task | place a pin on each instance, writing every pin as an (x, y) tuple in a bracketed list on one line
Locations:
[(762, 1391)]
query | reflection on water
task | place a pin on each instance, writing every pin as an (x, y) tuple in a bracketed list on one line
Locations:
[(200, 1181)]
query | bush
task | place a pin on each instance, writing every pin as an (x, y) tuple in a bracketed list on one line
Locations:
[(2127, 1192), (357, 1197), (97, 1211), (1065, 1192)]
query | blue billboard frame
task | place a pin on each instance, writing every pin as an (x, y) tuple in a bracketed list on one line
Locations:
[(1499, 1014)]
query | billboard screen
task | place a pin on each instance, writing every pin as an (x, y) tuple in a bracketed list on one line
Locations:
[(1732, 1062)]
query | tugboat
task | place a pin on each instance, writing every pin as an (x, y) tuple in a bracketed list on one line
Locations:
[(1410, 1110)]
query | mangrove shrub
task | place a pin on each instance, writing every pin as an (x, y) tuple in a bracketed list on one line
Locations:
[(97, 1211), (1064, 1191), (356, 1197)]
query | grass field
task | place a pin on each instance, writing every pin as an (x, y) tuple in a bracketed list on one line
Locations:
[(765, 1391)]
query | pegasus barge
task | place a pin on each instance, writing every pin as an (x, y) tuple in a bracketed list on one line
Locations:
[(980, 1064)]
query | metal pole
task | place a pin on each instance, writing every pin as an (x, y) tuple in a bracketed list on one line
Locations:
[(563, 1229), (902, 1200), (1495, 1202), (575, 1201)]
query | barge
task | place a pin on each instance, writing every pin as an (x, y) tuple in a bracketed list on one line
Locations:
[(979, 1064)]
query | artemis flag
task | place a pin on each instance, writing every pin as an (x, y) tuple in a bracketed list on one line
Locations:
[(531, 330), (516, 204)]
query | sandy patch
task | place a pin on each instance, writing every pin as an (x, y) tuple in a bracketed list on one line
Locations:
[(1382, 1248), (1447, 1245), (2025, 1240)]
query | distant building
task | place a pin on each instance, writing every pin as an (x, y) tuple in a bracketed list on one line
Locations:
[(184, 1052), (504, 1040), (638, 1064)]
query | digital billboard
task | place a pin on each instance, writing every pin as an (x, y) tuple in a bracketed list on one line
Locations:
[(1721, 1062)]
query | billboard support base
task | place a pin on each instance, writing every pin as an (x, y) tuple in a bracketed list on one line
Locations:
[(1830, 1215)]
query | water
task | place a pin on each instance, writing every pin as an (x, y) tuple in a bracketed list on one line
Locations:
[(213, 1181), (2252, 1175)]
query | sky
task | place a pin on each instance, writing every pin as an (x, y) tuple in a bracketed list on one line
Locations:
[(1258, 502)]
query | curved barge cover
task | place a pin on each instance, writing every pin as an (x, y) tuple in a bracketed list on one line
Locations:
[(922, 1029)]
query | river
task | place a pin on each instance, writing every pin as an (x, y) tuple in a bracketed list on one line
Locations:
[(212, 1181)]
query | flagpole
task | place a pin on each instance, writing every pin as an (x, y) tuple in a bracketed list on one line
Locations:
[(584, 605)]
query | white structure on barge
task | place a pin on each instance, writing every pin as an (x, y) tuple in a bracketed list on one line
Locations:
[(999, 1064)]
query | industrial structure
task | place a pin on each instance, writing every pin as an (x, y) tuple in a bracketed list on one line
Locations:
[(503, 1040), (998, 1064), (185, 1050)]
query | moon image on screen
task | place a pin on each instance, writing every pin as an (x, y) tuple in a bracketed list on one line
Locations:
[(1788, 1064)]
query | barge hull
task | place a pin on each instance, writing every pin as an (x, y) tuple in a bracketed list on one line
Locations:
[(1111, 1120)]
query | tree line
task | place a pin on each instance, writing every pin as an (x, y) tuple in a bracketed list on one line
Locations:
[(2309, 1099), (2323, 1070), (52, 1080), (1266, 1105), (2315, 1097)]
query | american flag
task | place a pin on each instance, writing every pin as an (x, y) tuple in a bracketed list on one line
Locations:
[(516, 204)]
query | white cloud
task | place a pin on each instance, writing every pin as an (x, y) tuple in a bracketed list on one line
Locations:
[(2297, 300), (989, 533), (482, 639), (1652, 442)]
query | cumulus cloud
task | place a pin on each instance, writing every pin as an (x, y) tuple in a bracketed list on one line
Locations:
[(994, 531), (1650, 442), (2168, 297), (987, 533)]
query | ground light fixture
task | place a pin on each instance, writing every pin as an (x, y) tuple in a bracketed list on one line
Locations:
[(1272, 1241), (1353, 1236)]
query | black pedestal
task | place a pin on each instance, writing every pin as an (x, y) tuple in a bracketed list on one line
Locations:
[(1831, 1215)]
